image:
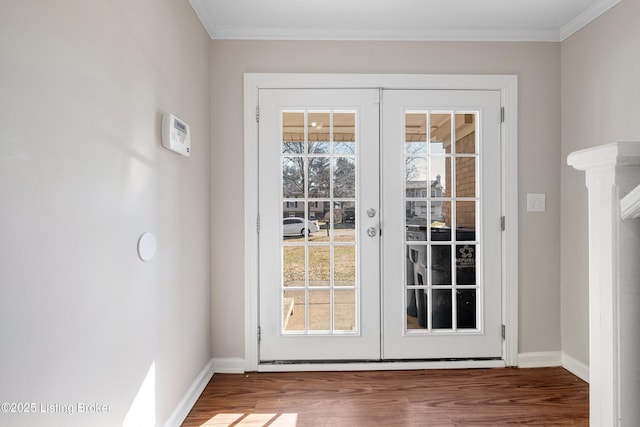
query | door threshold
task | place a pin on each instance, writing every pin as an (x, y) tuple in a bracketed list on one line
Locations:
[(377, 365)]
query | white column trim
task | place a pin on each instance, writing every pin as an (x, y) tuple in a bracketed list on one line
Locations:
[(611, 172)]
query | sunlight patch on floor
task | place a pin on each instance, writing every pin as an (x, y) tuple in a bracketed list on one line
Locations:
[(252, 420)]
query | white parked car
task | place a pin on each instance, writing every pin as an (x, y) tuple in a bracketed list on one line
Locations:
[(294, 226)]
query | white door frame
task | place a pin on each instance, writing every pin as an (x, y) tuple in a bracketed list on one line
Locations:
[(508, 87)]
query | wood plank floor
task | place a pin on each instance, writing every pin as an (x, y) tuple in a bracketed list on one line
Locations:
[(469, 397)]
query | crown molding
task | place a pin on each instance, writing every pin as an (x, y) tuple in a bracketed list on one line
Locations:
[(227, 32), (449, 34), (206, 18), (586, 17)]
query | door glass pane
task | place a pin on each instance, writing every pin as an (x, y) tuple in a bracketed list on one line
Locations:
[(416, 177), (439, 175), (344, 221), (344, 177), (294, 225), (293, 177), (440, 131), (417, 309), (442, 317), (441, 265), (319, 214), (319, 233), (294, 311), (318, 128), (344, 273), (418, 264), (293, 266), (417, 217), (344, 316), (319, 177), (293, 132), (415, 133), (466, 221), (466, 308), (465, 177), (319, 265), (320, 310), (466, 264), (344, 133), (437, 213), (466, 133), (441, 226), (417, 276)]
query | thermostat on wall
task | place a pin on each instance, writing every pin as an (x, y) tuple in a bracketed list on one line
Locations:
[(176, 135)]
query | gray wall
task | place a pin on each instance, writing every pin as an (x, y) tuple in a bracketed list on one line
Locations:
[(82, 176), (600, 93), (538, 68)]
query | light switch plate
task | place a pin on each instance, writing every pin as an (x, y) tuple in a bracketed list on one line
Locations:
[(536, 202)]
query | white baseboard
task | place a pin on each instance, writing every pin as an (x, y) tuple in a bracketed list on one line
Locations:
[(577, 368), (544, 359), (191, 396), (228, 365), (540, 359)]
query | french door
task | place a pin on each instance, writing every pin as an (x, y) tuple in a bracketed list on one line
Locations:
[(379, 246), (319, 249), (442, 232)]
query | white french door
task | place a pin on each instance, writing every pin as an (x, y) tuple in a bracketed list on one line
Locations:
[(319, 249), (442, 225), (379, 247)]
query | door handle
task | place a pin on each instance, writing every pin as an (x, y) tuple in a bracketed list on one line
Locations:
[(371, 232)]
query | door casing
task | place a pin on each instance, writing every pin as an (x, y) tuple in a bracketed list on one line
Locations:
[(506, 84)]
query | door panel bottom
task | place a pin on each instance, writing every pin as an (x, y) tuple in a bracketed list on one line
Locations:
[(379, 365)]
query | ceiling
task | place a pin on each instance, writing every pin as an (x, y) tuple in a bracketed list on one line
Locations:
[(482, 20)]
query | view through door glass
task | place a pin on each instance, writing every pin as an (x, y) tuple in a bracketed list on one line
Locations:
[(441, 169), (319, 245)]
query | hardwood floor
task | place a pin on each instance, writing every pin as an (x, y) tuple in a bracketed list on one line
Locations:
[(469, 397)]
